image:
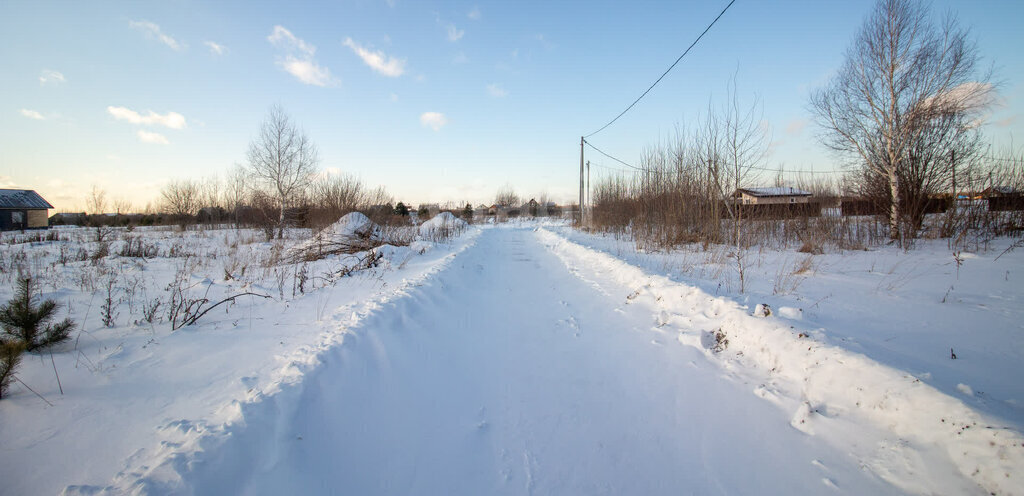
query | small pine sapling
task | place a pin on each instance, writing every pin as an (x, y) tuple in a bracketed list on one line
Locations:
[(10, 357), (28, 323)]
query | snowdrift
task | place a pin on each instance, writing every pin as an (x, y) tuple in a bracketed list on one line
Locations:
[(832, 387), (353, 233), (441, 226)]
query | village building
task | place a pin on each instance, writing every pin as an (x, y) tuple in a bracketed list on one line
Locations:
[(22, 209), (771, 196)]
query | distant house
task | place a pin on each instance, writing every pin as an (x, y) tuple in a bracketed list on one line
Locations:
[(1003, 198), (771, 196), (992, 191), (23, 209)]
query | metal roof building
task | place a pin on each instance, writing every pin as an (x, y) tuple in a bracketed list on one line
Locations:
[(22, 209)]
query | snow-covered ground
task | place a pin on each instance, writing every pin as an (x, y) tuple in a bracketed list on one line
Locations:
[(522, 358)]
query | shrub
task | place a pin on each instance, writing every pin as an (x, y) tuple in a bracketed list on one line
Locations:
[(27, 323)]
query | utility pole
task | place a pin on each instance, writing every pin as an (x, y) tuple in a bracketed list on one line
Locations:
[(581, 180), (590, 215)]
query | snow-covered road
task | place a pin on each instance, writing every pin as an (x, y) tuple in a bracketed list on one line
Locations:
[(508, 374)]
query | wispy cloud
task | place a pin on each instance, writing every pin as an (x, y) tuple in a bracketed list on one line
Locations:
[(433, 120), (153, 31), (152, 138), (548, 45), (284, 39), (216, 48), (496, 90), (172, 120), (391, 3), (377, 60), (474, 14), (1008, 121), (51, 77), (454, 34), (32, 114), (460, 58), (796, 127), (298, 60)]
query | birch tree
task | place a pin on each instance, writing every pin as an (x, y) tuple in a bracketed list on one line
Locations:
[(283, 159), (901, 73)]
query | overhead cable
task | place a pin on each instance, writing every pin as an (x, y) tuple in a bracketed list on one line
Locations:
[(666, 71)]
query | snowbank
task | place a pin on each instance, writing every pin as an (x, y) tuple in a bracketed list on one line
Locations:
[(442, 224), (353, 224), (352, 233), (831, 385)]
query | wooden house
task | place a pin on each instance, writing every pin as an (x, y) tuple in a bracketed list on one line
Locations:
[(771, 196), (1003, 198), (22, 209)]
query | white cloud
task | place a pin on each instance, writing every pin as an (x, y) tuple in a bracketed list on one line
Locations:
[(298, 60), (496, 90), (172, 120), (474, 14), (153, 138), (153, 31), (433, 120), (394, 97), (455, 34), (460, 59), (282, 38), (51, 77), (377, 60), (216, 48), (307, 71), (391, 3), (32, 114)]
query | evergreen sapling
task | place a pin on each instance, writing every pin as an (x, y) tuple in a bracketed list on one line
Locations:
[(10, 357), (28, 323)]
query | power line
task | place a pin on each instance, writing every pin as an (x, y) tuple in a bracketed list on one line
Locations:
[(634, 169), (598, 150), (666, 71), (655, 171)]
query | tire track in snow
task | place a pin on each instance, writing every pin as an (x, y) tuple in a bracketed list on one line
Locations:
[(398, 407), (838, 394)]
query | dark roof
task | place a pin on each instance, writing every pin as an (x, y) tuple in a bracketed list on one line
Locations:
[(782, 191), (22, 198)]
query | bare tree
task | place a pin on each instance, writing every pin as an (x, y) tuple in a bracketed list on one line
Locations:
[(236, 188), (122, 206), (181, 199), (96, 202), (901, 74), (338, 194), (506, 197), (283, 159)]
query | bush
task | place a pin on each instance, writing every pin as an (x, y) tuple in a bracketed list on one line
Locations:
[(28, 324)]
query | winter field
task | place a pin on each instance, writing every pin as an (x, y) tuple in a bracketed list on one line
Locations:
[(521, 358)]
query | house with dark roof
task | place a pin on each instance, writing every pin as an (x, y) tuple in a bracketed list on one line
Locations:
[(22, 209), (769, 196)]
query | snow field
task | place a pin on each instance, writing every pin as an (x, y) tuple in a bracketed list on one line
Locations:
[(832, 387), (514, 360), (142, 403)]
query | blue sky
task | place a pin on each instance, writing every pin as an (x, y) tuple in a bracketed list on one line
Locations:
[(436, 101)]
